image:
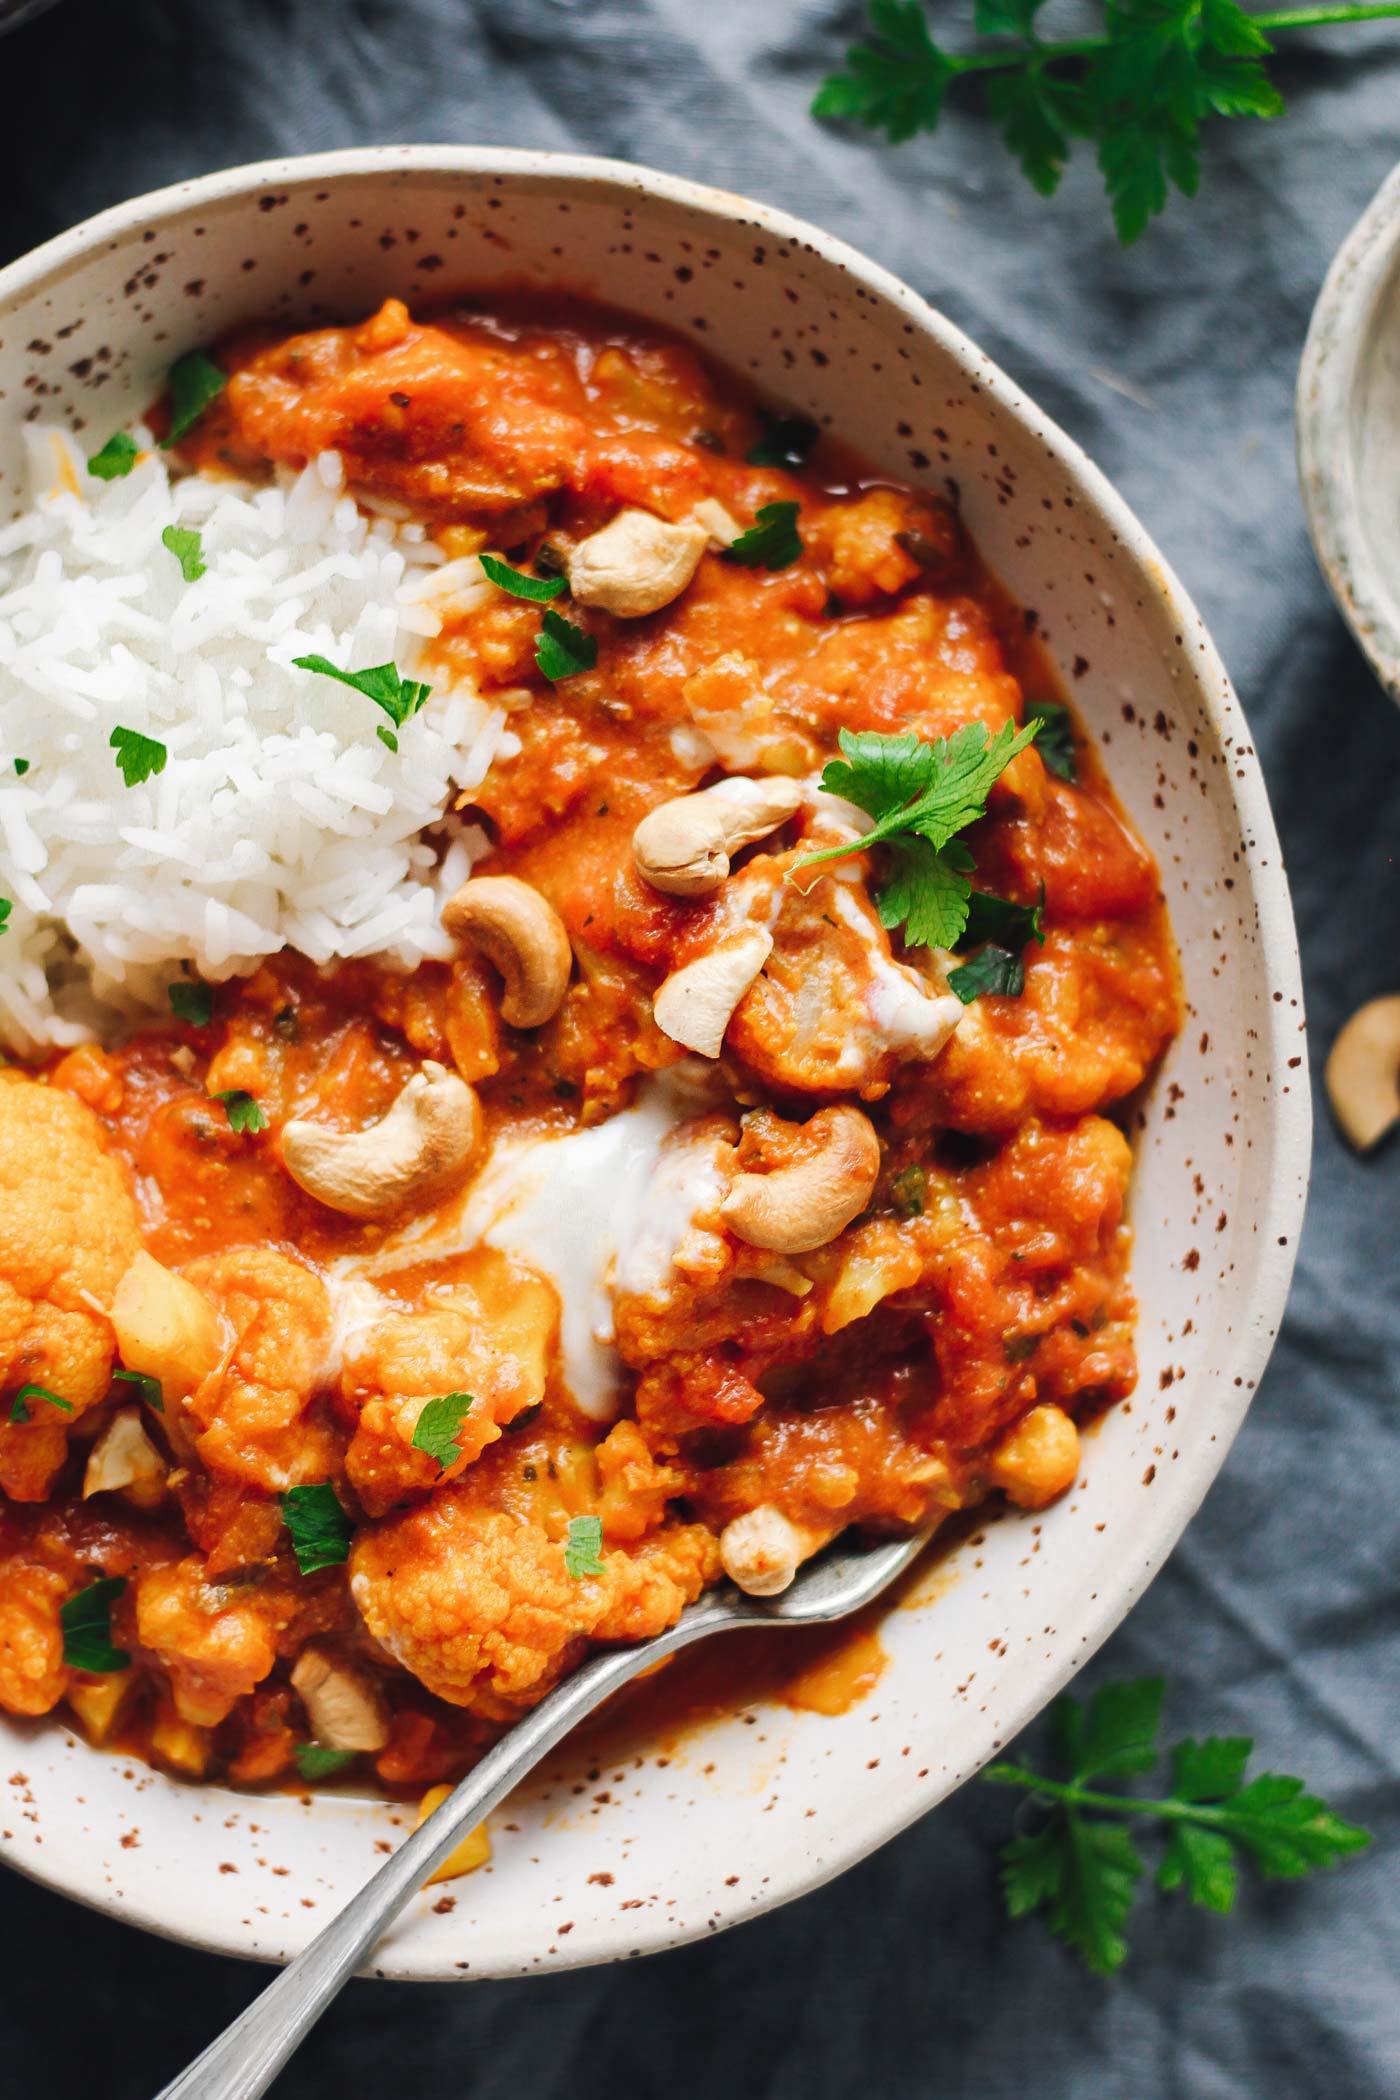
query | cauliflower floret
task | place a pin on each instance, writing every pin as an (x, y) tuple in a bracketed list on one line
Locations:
[(214, 1644), (68, 1228), (32, 1673), (873, 544), (481, 1608), (252, 1407)]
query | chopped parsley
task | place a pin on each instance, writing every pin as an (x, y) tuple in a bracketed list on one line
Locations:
[(538, 589), (1001, 931), (188, 549), (19, 1406), (562, 650), (436, 1429), (116, 458), (1056, 740), (242, 1111), (87, 1628), (195, 381), (921, 795), (191, 1001), (315, 1761), (909, 1192), (6, 907), (1081, 1872), (785, 442), (21, 767), (138, 757), (319, 1527), (400, 698), (772, 542), (583, 1549), (147, 1388)]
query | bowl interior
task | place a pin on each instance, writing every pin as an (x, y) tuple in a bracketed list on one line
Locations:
[(607, 1854)]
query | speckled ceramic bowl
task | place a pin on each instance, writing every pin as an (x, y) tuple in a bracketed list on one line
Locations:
[(597, 1860), (1348, 416)]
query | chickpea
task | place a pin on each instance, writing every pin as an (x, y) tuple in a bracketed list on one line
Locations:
[(1038, 1459)]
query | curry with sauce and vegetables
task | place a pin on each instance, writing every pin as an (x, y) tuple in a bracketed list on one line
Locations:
[(372, 1341)]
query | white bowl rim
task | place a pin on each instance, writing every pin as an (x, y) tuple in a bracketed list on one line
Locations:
[(1340, 328), (874, 1819)]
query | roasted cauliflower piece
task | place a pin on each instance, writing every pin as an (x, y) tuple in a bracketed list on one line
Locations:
[(32, 1672), (68, 1229), (253, 1407), (213, 1643), (480, 1605)]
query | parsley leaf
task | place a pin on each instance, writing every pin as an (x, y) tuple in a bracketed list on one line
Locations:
[(242, 1110), (319, 1527), (6, 907), (116, 458), (400, 698), (538, 589), (772, 542), (562, 650), (19, 1406), (315, 1761), (188, 549), (1082, 1872), (895, 85), (583, 1549), (909, 1192), (992, 973), (21, 767), (1056, 740), (138, 757), (195, 381), (147, 1388), (1001, 929), (920, 795), (436, 1429), (785, 441), (86, 1620), (191, 1001)]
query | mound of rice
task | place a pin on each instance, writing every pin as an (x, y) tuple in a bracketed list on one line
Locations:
[(280, 819)]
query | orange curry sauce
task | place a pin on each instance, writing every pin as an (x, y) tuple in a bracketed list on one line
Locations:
[(940, 1348)]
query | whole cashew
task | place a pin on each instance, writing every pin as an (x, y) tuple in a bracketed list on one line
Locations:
[(344, 1705), (683, 846), (523, 935), (696, 1003), (762, 1550), (794, 1209), (636, 564), (425, 1143), (1363, 1073)]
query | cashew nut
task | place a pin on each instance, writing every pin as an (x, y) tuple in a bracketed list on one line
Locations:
[(425, 1143), (1363, 1073), (344, 1705), (124, 1457), (711, 513), (523, 935), (165, 1327), (762, 1550), (696, 1003), (794, 1209), (636, 564), (683, 846)]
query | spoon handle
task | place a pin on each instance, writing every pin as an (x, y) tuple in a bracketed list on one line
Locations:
[(246, 2057)]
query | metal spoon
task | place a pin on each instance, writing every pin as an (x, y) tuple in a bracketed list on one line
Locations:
[(247, 2056)]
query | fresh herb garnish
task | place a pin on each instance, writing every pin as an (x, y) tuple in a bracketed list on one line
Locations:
[(562, 650), (315, 1761), (21, 767), (436, 1429), (909, 1192), (86, 1620), (147, 1388), (188, 549), (400, 698), (6, 907), (538, 589), (785, 442), (583, 1549), (138, 757), (1056, 740), (1140, 93), (920, 795), (1001, 930), (191, 1001), (1083, 1873), (116, 458), (772, 542), (195, 381), (319, 1527), (19, 1406), (242, 1110)]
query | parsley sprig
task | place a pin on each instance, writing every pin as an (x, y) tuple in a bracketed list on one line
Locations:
[(86, 1620), (399, 697), (438, 1425), (1082, 1872), (583, 1547), (921, 796), (1139, 93), (319, 1528)]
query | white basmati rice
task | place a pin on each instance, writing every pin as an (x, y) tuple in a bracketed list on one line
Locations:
[(280, 819)]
